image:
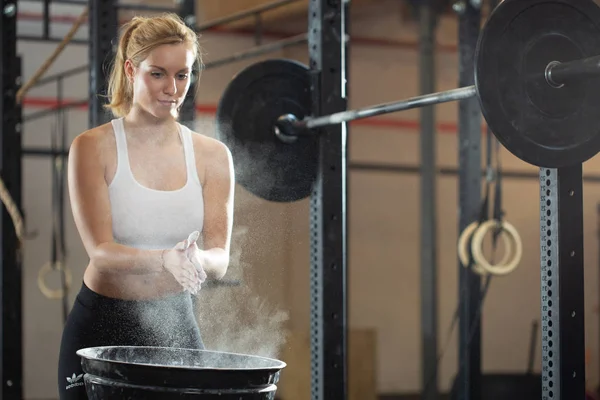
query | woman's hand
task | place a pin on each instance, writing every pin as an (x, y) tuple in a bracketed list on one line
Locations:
[(194, 255), (177, 262)]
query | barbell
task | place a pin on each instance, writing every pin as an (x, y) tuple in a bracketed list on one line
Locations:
[(537, 64)]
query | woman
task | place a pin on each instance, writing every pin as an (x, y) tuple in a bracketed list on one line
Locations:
[(143, 189)]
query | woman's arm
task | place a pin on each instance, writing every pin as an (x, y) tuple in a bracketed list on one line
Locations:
[(218, 193), (88, 193)]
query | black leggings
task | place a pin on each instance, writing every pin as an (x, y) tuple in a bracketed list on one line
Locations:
[(97, 320)]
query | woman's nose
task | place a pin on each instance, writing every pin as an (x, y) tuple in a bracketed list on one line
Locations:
[(170, 87)]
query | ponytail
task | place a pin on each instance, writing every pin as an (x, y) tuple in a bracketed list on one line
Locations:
[(119, 89)]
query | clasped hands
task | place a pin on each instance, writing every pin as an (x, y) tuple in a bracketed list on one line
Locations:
[(184, 262)]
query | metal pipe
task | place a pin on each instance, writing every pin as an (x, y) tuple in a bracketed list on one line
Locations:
[(561, 73), (598, 238), (72, 2), (469, 290), (402, 169), (64, 74), (385, 108), (46, 25), (243, 14), (259, 50), (428, 209), (32, 38)]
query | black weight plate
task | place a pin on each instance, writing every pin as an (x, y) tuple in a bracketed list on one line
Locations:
[(544, 126), (246, 114)]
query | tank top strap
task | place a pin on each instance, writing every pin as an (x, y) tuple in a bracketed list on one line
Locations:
[(190, 156), (121, 144)]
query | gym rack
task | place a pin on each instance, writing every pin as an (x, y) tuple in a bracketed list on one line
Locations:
[(11, 372)]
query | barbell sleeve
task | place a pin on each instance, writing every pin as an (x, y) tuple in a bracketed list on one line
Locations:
[(561, 73)]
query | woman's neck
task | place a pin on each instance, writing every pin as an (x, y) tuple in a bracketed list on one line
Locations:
[(143, 126)]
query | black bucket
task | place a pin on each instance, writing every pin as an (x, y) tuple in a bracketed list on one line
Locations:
[(131, 372)]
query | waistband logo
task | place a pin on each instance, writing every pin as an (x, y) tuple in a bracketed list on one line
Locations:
[(74, 381)]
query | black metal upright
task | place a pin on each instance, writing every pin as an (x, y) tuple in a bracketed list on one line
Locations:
[(429, 300), (11, 374), (598, 254), (103, 30), (187, 115), (327, 29), (562, 283), (469, 121)]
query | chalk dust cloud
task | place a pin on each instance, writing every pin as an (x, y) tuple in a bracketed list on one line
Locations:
[(237, 318), (242, 318)]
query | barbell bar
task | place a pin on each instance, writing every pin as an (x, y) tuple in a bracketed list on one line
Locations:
[(537, 65), (288, 125)]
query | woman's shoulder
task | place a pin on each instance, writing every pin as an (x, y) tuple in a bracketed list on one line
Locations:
[(210, 148), (94, 141)]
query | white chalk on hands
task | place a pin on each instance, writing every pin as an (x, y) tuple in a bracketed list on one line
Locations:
[(193, 237)]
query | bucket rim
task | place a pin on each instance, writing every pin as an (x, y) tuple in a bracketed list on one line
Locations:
[(91, 354)]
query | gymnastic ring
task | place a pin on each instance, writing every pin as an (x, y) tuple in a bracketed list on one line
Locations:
[(502, 268), (463, 249), (463, 253), (53, 294), (477, 251)]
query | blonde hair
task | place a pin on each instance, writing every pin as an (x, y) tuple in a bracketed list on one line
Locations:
[(138, 38)]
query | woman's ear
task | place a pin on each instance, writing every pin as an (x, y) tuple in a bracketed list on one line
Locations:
[(129, 70)]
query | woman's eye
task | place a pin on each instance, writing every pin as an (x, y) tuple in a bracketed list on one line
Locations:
[(156, 74), (183, 76)]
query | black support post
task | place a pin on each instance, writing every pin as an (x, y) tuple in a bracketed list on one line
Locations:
[(562, 283), (10, 164), (103, 31), (469, 121), (327, 30), (597, 391), (187, 115), (429, 306)]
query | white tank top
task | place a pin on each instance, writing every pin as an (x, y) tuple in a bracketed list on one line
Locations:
[(154, 219)]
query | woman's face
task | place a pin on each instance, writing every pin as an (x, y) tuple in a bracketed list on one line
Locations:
[(162, 80)]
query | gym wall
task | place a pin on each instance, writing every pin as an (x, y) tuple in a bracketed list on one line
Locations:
[(271, 249)]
